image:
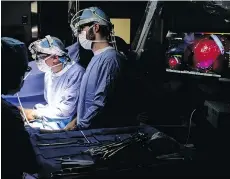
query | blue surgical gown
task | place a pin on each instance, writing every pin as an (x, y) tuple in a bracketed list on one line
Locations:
[(98, 86), (73, 51), (79, 54), (61, 94)]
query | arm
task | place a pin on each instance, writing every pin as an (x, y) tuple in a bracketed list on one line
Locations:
[(69, 100), (106, 79)]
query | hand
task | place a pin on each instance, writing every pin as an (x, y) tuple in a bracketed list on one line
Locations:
[(72, 125), (30, 113)]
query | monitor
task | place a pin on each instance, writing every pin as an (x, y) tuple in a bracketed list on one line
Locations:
[(199, 53)]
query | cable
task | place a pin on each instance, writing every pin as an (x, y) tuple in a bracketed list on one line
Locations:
[(21, 103), (190, 123), (26, 75), (23, 110)]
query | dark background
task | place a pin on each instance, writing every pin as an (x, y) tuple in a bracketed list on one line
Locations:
[(52, 17)]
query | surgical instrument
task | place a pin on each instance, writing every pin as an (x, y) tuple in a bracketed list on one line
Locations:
[(85, 137), (107, 151), (63, 143), (76, 161)]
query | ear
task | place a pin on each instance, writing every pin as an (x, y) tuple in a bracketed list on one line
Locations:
[(96, 28)]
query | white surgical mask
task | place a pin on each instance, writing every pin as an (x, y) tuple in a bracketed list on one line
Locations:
[(42, 66), (85, 43)]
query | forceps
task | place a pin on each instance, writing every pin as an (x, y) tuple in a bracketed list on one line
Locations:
[(75, 161)]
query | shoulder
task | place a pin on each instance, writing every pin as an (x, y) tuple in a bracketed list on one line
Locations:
[(72, 47), (76, 70), (113, 58), (8, 107), (78, 67), (75, 73)]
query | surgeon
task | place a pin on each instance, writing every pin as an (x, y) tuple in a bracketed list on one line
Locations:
[(101, 84), (62, 83), (17, 153)]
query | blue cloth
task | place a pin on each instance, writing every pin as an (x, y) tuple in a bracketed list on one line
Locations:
[(98, 86), (46, 155), (61, 94), (32, 91), (73, 51)]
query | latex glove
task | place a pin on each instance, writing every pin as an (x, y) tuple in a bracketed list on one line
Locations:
[(72, 125), (37, 106)]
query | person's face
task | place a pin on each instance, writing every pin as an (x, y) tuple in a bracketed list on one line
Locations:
[(91, 31), (50, 60)]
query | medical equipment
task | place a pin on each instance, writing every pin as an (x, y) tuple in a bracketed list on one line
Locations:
[(189, 127), (85, 137), (68, 160), (79, 141), (109, 150), (68, 172), (206, 54)]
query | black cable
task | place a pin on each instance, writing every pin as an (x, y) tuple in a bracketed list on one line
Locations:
[(189, 128)]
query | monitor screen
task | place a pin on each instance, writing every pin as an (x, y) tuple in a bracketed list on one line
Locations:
[(199, 53)]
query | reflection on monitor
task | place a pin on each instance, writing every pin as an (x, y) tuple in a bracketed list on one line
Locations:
[(199, 53)]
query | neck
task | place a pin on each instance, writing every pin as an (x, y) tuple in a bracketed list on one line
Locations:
[(99, 45)]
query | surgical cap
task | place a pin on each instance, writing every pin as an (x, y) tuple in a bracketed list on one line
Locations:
[(89, 15), (56, 42), (94, 14), (14, 55), (14, 63), (48, 45)]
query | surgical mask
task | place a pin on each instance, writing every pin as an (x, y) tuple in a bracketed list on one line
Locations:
[(42, 66), (85, 43)]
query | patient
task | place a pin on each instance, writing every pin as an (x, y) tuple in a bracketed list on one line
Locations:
[(17, 152), (62, 82)]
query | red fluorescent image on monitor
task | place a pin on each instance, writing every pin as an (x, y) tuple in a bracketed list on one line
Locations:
[(198, 53)]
